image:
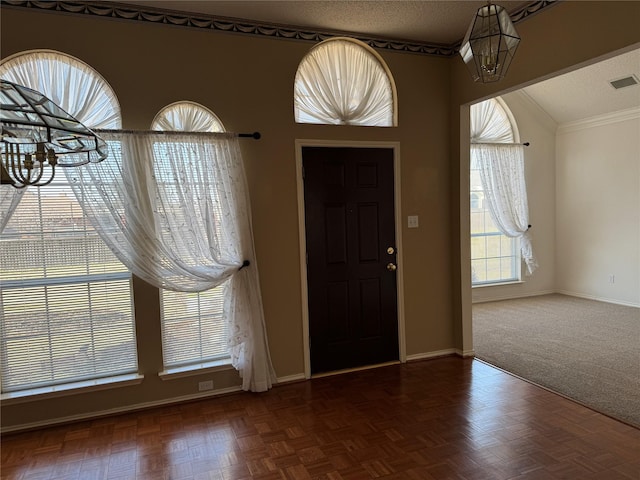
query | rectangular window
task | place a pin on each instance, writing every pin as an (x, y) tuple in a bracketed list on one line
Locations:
[(194, 333), (65, 299), (495, 258)]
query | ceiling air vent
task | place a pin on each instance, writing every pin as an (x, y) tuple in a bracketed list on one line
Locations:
[(624, 82)]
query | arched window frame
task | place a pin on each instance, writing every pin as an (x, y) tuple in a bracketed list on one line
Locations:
[(193, 333), (187, 116), (317, 110), (80, 310), (70, 83), (498, 125)]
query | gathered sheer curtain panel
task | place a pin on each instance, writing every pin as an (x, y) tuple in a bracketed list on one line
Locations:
[(174, 209), (185, 116), (500, 162), (341, 82), (73, 85)]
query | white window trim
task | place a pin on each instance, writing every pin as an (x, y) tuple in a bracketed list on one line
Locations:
[(192, 370), (74, 388)]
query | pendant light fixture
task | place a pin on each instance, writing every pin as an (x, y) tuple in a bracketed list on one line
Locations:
[(490, 44)]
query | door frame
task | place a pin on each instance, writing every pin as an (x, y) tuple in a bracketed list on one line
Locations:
[(299, 143)]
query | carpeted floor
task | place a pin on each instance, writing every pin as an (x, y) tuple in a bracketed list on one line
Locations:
[(584, 349)]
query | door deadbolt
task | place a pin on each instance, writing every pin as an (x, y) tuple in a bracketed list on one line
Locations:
[(391, 250)]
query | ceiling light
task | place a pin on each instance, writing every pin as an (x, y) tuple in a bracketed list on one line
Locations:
[(36, 135), (490, 44)]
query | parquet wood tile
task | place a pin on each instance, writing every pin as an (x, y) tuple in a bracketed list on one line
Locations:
[(440, 419)]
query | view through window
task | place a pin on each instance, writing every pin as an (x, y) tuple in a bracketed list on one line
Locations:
[(495, 257), (65, 300)]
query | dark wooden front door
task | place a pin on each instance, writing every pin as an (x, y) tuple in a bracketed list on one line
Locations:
[(351, 258)]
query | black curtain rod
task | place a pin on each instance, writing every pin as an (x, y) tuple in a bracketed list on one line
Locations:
[(526, 144), (254, 135)]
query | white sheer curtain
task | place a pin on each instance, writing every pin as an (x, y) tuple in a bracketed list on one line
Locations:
[(490, 123), (340, 82), (187, 116), (174, 209), (502, 174), (501, 166), (73, 85)]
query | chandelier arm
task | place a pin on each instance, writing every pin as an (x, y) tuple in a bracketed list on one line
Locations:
[(13, 155), (53, 173)]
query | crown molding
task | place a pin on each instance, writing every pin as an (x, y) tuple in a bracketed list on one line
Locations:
[(123, 11), (600, 120)]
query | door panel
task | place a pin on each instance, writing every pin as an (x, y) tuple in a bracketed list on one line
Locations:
[(350, 223)]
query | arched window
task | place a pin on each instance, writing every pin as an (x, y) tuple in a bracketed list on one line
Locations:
[(187, 117), (72, 84), (491, 122), (495, 257), (342, 81), (194, 333), (65, 302)]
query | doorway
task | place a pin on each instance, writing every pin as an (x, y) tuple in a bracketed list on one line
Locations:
[(351, 256)]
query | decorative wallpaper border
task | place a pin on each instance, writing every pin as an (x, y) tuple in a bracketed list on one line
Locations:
[(134, 13)]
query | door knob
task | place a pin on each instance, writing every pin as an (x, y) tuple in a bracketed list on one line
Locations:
[(391, 267)]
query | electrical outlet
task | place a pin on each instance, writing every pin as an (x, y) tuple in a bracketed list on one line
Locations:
[(206, 385), (612, 278)]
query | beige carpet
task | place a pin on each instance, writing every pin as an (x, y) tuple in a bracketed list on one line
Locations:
[(586, 350)]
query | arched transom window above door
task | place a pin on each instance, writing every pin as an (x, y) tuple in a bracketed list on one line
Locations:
[(343, 81)]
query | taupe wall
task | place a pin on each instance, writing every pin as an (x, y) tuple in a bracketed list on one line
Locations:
[(248, 82)]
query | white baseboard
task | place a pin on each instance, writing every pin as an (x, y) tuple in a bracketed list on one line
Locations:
[(512, 296), (598, 298), (115, 411), (291, 378), (497, 298), (435, 354)]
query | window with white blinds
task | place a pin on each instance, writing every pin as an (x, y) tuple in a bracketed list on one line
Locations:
[(495, 257), (193, 330), (194, 334), (65, 299)]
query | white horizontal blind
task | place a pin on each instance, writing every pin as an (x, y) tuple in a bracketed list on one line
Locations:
[(65, 299), (193, 330)]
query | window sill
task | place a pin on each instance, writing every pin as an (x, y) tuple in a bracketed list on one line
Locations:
[(196, 369), (513, 282), (75, 388)]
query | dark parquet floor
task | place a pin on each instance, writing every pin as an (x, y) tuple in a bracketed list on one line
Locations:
[(447, 418)]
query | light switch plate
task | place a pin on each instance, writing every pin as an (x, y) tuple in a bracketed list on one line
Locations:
[(412, 221)]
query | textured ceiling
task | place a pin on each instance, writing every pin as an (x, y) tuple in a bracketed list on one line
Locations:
[(586, 92)]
